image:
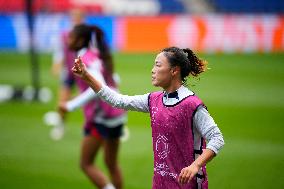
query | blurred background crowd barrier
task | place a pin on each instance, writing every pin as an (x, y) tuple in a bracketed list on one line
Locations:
[(149, 25)]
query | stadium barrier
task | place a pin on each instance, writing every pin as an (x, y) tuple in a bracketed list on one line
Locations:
[(210, 33)]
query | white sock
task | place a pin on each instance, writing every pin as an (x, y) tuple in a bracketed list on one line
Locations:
[(109, 186)]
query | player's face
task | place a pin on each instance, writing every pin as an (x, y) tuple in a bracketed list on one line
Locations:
[(74, 42), (161, 71)]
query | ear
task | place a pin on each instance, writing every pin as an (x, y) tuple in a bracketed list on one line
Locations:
[(175, 70)]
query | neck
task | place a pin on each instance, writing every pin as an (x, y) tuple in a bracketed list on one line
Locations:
[(173, 87)]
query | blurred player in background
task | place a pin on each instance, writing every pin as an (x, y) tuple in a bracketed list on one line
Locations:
[(180, 121), (95, 112), (103, 123)]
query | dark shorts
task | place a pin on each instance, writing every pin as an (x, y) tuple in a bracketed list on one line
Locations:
[(101, 131)]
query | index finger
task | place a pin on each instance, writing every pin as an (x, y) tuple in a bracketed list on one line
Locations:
[(76, 62), (80, 61)]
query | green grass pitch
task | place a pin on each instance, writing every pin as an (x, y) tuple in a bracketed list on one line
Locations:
[(243, 92)]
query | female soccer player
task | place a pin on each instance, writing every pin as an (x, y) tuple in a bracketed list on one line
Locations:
[(180, 121), (103, 123)]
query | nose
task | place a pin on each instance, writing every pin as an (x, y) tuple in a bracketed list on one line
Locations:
[(153, 71)]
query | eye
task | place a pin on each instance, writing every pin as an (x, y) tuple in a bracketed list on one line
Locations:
[(158, 64)]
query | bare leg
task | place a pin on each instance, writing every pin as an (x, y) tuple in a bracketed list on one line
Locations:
[(89, 150), (111, 149), (64, 96)]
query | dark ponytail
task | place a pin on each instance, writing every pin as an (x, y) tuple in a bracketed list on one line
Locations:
[(188, 62), (197, 65), (103, 48)]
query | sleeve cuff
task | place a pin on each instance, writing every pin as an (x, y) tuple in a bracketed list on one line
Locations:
[(213, 149), (102, 90), (70, 106)]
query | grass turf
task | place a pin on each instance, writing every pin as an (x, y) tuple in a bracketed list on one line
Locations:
[(244, 94)]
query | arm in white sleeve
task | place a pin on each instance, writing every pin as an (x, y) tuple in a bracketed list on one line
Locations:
[(87, 95), (136, 103), (208, 129), (80, 100)]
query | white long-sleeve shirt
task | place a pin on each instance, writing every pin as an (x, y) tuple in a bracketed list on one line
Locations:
[(203, 124)]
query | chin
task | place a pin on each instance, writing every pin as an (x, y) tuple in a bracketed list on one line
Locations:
[(155, 84)]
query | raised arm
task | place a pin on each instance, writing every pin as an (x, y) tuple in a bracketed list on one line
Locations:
[(135, 103)]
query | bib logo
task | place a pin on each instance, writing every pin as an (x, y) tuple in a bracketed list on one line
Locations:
[(162, 146)]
